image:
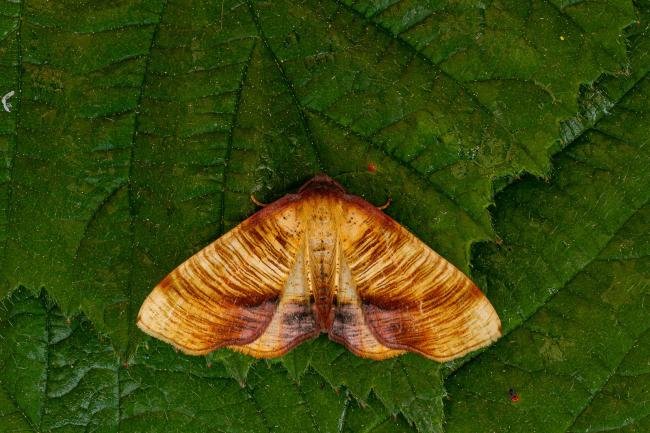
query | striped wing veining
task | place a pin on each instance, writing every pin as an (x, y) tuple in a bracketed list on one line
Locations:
[(349, 326), (227, 293), (411, 298), (293, 321)]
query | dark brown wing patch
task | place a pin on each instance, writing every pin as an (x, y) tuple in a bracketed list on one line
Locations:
[(349, 326), (412, 298), (293, 321), (227, 293)]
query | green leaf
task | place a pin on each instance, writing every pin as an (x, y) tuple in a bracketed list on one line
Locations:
[(579, 363), (139, 130), (621, 402), (11, 418), (57, 374), (143, 127), (571, 282), (410, 384)]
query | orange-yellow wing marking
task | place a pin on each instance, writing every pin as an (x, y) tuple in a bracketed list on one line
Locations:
[(412, 299), (349, 325), (228, 293), (294, 320)]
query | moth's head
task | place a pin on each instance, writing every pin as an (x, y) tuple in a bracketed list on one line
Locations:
[(321, 182)]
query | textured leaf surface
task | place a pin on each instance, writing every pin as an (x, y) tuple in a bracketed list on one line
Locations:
[(58, 375), (142, 127), (579, 363), (571, 278), (139, 129)]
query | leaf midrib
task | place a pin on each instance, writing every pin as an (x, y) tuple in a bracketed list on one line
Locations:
[(404, 43), (288, 84), (130, 192)]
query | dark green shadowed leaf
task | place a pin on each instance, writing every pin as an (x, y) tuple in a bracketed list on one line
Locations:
[(57, 374), (571, 281), (141, 128), (410, 384)]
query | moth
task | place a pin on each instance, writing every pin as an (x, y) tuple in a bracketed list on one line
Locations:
[(320, 260)]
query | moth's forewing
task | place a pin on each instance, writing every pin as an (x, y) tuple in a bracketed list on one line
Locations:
[(294, 320), (412, 299), (227, 293)]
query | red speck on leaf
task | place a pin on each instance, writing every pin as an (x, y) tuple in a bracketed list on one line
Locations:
[(514, 397)]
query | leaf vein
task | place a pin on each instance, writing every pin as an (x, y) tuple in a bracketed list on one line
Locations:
[(604, 382), (131, 194), (539, 165), (289, 85), (19, 409), (404, 164), (231, 132)]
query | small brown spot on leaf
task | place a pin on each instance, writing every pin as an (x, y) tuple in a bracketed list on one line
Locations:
[(514, 397)]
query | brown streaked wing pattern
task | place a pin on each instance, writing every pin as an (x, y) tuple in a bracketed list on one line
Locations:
[(293, 321), (412, 298), (349, 326), (227, 293)]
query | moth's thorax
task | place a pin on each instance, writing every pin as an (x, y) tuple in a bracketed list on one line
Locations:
[(322, 247)]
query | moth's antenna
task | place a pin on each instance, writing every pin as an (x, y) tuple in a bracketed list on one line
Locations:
[(257, 202), (385, 205)]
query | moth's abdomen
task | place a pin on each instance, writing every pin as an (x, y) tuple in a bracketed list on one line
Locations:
[(321, 251)]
